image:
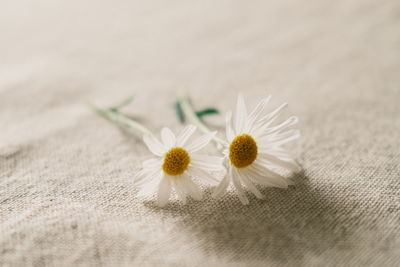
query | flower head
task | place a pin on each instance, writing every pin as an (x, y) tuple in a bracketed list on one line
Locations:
[(254, 148), (176, 162)]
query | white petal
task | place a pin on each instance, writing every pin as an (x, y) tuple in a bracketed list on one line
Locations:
[(256, 113), (200, 142), (247, 182), (258, 130), (202, 175), (256, 178), (223, 185), (148, 176), (287, 164), (191, 188), (168, 137), (140, 175), (151, 186), (164, 191), (154, 145), (262, 124), (229, 131), (241, 115), (269, 176), (284, 125), (280, 136), (285, 137), (207, 163), (277, 151), (179, 188), (236, 177), (273, 114), (259, 109), (268, 144), (185, 134), (152, 163)]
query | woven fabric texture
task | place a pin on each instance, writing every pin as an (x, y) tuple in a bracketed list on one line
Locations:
[(66, 191)]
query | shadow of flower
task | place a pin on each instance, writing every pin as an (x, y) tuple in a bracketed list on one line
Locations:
[(274, 228)]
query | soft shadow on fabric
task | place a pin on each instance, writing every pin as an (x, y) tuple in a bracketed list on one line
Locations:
[(273, 228)]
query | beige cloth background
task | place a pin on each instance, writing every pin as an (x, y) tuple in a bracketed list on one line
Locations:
[(66, 192)]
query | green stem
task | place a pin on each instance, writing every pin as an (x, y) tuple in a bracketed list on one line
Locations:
[(191, 116), (113, 115)]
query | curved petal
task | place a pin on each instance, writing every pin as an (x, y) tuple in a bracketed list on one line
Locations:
[(256, 113), (249, 184), (191, 188), (201, 142), (185, 134), (141, 174), (229, 131), (264, 123), (280, 152), (268, 176), (282, 138), (284, 125), (266, 145), (154, 145), (223, 185), (257, 178), (179, 188), (168, 137), (207, 163), (150, 186), (241, 115), (273, 114), (236, 177), (147, 176), (152, 163), (287, 164), (202, 175), (164, 191)]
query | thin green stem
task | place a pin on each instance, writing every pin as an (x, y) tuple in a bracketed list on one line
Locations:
[(113, 115), (191, 116)]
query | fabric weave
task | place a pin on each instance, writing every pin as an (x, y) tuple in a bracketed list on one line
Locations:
[(66, 192)]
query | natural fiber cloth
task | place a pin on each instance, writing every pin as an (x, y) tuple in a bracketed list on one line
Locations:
[(66, 192)]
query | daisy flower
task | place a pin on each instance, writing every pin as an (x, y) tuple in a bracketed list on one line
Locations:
[(176, 161), (254, 148)]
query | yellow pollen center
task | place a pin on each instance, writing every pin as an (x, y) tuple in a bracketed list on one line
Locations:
[(176, 161), (243, 151)]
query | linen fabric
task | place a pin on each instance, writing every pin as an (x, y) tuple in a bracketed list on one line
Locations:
[(66, 192)]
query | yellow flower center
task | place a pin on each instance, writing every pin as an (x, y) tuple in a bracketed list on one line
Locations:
[(176, 161), (243, 151)]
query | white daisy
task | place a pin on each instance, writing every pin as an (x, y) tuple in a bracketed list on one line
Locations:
[(175, 163), (254, 148)]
